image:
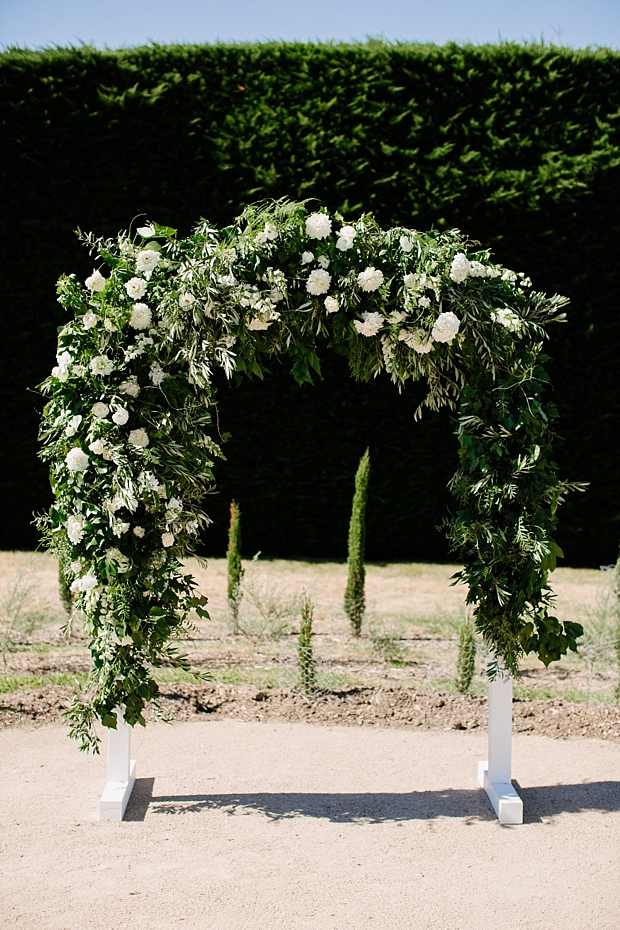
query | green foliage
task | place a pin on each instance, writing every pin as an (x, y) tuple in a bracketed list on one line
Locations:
[(355, 592), (64, 589), (466, 657), (518, 145), (305, 652), (233, 560)]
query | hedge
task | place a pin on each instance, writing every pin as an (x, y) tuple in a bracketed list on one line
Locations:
[(518, 145)]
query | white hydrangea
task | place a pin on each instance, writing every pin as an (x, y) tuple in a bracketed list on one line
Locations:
[(507, 318), (141, 316), (460, 268), (138, 438), (136, 288), (120, 416), (101, 365), (147, 261), (331, 305), (419, 340), (130, 387), (424, 302), (100, 410), (75, 528), (446, 327), (95, 282), (370, 279), (318, 226), (76, 460), (346, 237), (371, 324), (156, 373), (406, 243), (307, 257), (89, 320), (318, 280), (167, 540), (477, 270), (186, 300)]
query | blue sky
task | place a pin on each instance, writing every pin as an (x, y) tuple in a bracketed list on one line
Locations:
[(115, 23)]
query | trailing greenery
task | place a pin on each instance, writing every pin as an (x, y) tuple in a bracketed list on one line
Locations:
[(466, 656), (355, 592), (305, 652), (235, 567), (517, 145)]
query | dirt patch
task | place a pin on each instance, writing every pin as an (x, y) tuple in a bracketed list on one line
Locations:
[(378, 707)]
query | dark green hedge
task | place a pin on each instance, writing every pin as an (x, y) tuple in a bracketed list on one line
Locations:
[(517, 145)]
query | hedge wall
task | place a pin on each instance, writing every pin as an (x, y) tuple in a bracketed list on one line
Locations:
[(517, 145)]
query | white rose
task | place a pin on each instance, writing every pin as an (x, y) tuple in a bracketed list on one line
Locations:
[(85, 584), (61, 372), (446, 327), (120, 416), (318, 226), (186, 300), (370, 325), (140, 317), (147, 261), (307, 257), (157, 374), (89, 320), (318, 280), (420, 340), (371, 279), (100, 410), (146, 231), (130, 387), (96, 282), (346, 235), (101, 365), (406, 243), (136, 288), (75, 529), (74, 423), (167, 540), (460, 268), (331, 304), (138, 531), (97, 447), (76, 460), (139, 438), (323, 261)]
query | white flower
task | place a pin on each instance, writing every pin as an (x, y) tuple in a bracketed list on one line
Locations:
[(318, 226), (119, 529), (307, 257), (346, 235), (410, 281), (371, 324), (109, 325), (89, 320), (323, 261), (120, 416), (115, 555), (175, 506), (139, 438), (318, 280), (419, 340), (107, 454), (113, 505), (138, 531), (446, 327), (424, 302), (406, 243), (74, 423), (509, 275), (276, 295), (75, 528), (97, 447), (85, 584), (147, 261), (76, 460), (96, 281), (78, 370), (260, 238), (140, 317), (371, 279), (130, 387), (136, 288), (157, 374), (76, 566), (186, 300), (100, 410), (331, 304), (146, 231), (460, 268), (258, 323), (61, 370), (167, 540), (271, 231), (101, 365), (477, 270), (229, 256), (507, 318)]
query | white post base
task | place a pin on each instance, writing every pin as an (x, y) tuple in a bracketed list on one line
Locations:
[(121, 772), (495, 775)]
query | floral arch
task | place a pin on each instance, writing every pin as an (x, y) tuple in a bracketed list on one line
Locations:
[(127, 429)]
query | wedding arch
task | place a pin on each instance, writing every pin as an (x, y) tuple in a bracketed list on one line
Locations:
[(128, 428)]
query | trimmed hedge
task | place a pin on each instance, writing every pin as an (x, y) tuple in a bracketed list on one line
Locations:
[(517, 145)]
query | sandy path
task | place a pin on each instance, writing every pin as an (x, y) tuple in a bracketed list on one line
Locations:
[(289, 827)]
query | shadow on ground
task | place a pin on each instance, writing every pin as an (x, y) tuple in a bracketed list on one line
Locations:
[(376, 807)]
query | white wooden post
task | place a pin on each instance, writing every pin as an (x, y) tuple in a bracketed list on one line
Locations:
[(121, 772), (494, 775)]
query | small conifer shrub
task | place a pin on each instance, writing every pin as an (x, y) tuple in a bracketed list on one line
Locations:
[(235, 568), (466, 659), (355, 594), (307, 665)]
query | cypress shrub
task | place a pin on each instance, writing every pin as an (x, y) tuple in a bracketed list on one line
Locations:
[(466, 658), (305, 652), (234, 565), (355, 593)]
